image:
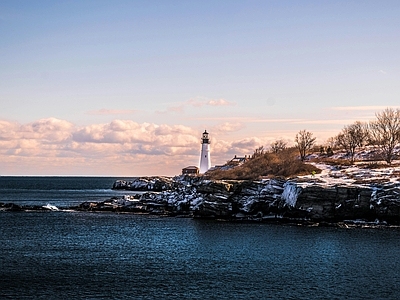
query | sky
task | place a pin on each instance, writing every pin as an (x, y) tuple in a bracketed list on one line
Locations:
[(126, 88)]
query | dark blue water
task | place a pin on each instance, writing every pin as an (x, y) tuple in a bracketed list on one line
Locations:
[(76, 255), (59, 191)]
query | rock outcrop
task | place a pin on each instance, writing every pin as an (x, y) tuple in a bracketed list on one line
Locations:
[(274, 199), (269, 200), (156, 184)]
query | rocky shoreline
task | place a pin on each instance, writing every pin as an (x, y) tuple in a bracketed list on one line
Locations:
[(308, 202), (278, 200)]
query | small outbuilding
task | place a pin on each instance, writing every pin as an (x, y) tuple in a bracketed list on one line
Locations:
[(191, 170), (238, 160)]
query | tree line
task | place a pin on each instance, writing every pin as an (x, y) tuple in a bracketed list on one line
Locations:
[(383, 132)]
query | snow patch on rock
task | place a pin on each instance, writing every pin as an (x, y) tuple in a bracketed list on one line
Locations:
[(290, 193)]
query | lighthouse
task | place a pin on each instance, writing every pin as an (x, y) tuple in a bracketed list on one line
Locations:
[(205, 161)]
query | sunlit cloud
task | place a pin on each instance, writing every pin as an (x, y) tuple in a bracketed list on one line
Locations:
[(129, 132), (177, 109), (227, 127), (54, 146), (323, 122), (109, 143), (235, 119), (201, 101), (237, 123), (197, 102), (364, 108), (108, 112), (228, 149), (219, 102)]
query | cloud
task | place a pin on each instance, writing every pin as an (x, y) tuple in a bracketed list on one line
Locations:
[(323, 122), (227, 127), (55, 147), (198, 102), (382, 72), (236, 126), (7, 130), (45, 130), (248, 143), (129, 132), (108, 112), (175, 109), (59, 138), (201, 101), (36, 139), (122, 147), (219, 102), (48, 130), (364, 108), (235, 119), (225, 150)]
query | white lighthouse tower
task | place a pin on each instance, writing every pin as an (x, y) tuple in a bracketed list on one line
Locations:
[(205, 161)]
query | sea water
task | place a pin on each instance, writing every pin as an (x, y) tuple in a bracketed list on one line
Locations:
[(82, 255), (59, 191)]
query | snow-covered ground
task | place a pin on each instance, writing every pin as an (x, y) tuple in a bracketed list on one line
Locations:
[(356, 174), (363, 172)]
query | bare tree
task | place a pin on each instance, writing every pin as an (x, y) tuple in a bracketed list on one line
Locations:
[(258, 152), (353, 136), (278, 146), (332, 142), (304, 142), (385, 132)]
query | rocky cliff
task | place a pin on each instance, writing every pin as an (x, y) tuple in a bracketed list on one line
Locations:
[(270, 199), (348, 195)]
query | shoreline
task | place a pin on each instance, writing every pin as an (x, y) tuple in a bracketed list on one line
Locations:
[(337, 197), (278, 220)]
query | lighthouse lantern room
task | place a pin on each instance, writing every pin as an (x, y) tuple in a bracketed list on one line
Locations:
[(205, 161)]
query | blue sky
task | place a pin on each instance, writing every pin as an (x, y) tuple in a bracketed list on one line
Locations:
[(122, 87)]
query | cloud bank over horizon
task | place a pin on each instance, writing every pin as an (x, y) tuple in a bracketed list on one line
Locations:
[(53, 146)]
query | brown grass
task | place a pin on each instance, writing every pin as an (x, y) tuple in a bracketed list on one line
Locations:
[(333, 161), (282, 164)]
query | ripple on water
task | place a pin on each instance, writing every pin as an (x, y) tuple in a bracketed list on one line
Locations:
[(50, 255)]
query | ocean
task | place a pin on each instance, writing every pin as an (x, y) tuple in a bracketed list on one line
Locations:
[(83, 255)]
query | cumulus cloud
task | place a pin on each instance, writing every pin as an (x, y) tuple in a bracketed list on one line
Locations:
[(44, 130), (248, 143), (7, 130), (49, 130), (240, 147), (128, 132), (58, 141), (36, 139), (54, 146)]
